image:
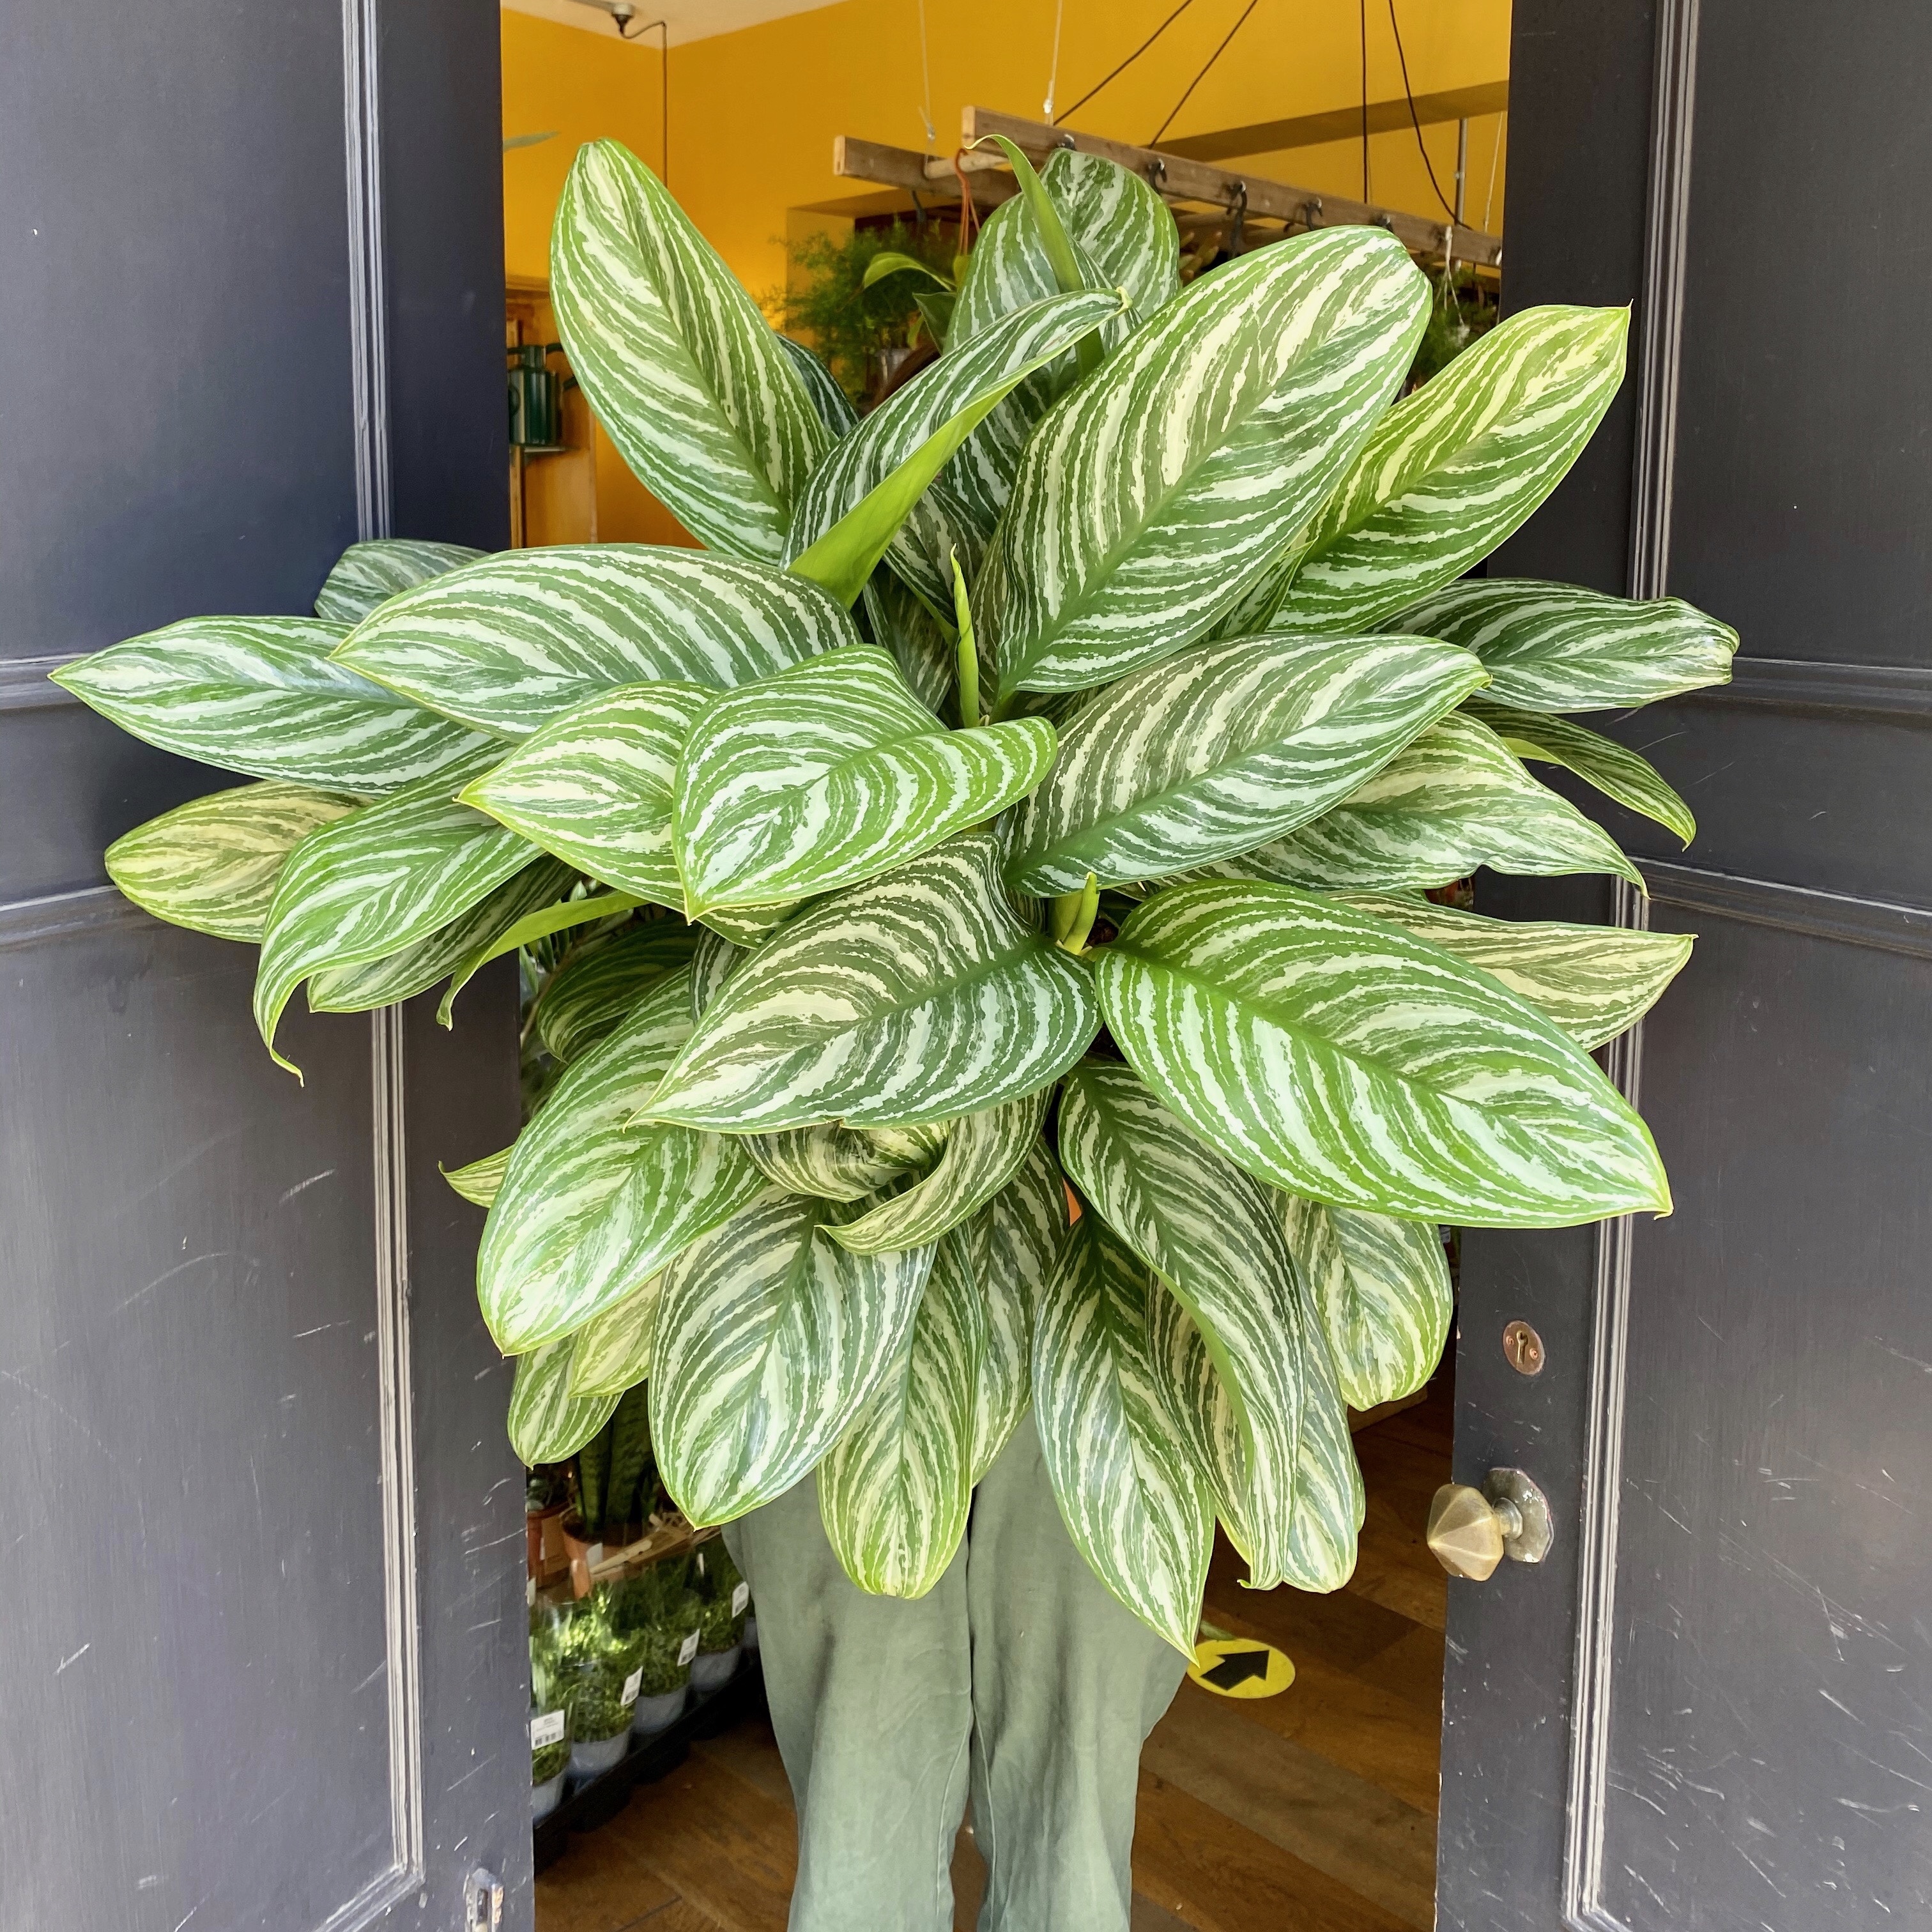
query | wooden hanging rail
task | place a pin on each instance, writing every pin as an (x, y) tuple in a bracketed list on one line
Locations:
[(1175, 176)]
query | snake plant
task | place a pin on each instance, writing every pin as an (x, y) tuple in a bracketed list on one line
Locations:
[(1028, 795)]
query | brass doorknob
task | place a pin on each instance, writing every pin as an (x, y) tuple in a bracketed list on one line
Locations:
[(1471, 1530)]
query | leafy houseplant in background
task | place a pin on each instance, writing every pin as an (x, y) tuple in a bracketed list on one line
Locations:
[(657, 1604), (605, 1663), (550, 1714), (1039, 781), (725, 1598)]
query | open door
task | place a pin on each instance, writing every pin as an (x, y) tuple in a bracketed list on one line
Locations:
[(1706, 1709), (261, 1617)]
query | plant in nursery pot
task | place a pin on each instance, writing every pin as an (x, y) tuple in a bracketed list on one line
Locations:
[(551, 1683), (1140, 590), (725, 1597), (606, 1677), (658, 1605)]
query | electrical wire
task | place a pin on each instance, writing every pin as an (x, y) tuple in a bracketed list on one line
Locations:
[(1203, 74), (662, 29), (1126, 64), (1053, 72), (1414, 120), (1364, 12), (926, 76)]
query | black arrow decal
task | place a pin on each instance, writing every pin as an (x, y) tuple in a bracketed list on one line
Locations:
[(1237, 1667)]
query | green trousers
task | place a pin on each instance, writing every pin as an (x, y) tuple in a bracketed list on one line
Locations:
[(1017, 1675)]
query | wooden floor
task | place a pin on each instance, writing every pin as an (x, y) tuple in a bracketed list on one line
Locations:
[(1315, 1811)]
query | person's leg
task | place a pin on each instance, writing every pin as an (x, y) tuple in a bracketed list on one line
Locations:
[(1066, 1685), (870, 1699)]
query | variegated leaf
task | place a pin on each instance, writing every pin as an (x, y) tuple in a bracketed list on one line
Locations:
[(369, 574), (1451, 470), (1211, 1233), (479, 1181), (711, 965), (1455, 799), (828, 1162), (594, 785), (211, 865), (830, 773), (1150, 495), (547, 1424), (614, 1349), (684, 374), (1209, 753), (769, 1339), (981, 1154), (262, 696), (599, 1198), (834, 406), (1132, 1501), (1594, 981), (1025, 1228), (894, 1490), (1614, 769), (598, 983), (1381, 1288), (1345, 1060), (1557, 647), (546, 922), (376, 882), (919, 997), (922, 651), (510, 643)]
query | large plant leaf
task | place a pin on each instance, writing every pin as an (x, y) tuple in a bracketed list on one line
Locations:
[(1209, 753), (1024, 1229), (713, 962), (829, 1163), (1557, 647), (1451, 470), (981, 1154), (894, 1490), (369, 574), (1341, 1058), (769, 1339), (373, 883), (1150, 495), (598, 1197), (919, 997), (510, 643), (1594, 981), (1210, 1232), (947, 399), (834, 406), (1381, 1289), (830, 773), (597, 985), (546, 922), (1131, 1499), (923, 650), (1615, 771), (594, 785), (1455, 799), (211, 865), (612, 1352), (685, 375), (547, 1423), (262, 696)]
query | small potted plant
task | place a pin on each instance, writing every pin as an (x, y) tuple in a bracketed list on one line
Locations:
[(550, 1715), (658, 1604), (726, 1598), (606, 1669)]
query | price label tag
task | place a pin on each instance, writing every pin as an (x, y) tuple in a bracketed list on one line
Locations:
[(631, 1684), (740, 1596), (687, 1650), (547, 1729)]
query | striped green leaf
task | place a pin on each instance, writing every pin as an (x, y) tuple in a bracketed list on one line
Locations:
[(712, 963), (769, 1339), (919, 997), (371, 884), (211, 865), (1131, 1499), (1025, 1228), (981, 1154), (1455, 799), (369, 574), (1150, 495), (1345, 1060), (1211, 1233), (600, 982), (545, 922), (598, 1197), (510, 644), (1557, 647), (1209, 753), (612, 1352), (828, 1162), (830, 773), (547, 1423), (921, 647), (1594, 981), (684, 374), (834, 406), (479, 1181), (262, 696), (1381, 1291), (946, 401), (1614, 769), (894, 1490), (1451, 470), (594, 785)]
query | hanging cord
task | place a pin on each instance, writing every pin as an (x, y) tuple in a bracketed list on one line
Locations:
[(1128, 61), (1414, 120), (926, 78), (1364, 11), (662, 29), (969, 214), (1053, 72), (1495, 155), (1203, 74)]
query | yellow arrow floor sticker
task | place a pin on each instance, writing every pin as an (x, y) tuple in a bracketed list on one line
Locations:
[(1240, 1666)]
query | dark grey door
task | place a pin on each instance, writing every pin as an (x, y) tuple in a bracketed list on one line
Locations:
[(1712, 1709), (261, 1623)]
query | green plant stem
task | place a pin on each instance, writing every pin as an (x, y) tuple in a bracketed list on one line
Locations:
[(1072, 916), (1053, 237), (969, 652)]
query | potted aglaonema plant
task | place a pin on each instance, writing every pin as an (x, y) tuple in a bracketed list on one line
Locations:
[(1140, 591), (658, 1605)]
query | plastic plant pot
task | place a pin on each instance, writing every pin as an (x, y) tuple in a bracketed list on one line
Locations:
[(657, 1713), (594, 1757), (545, 1797), (711, 1670)]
